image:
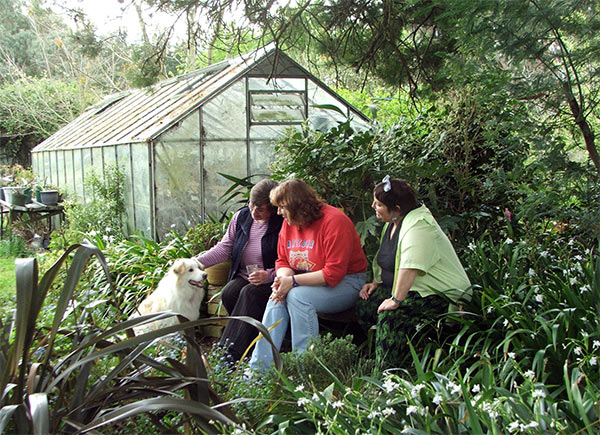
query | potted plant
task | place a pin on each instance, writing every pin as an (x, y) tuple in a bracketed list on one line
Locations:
[(18, 183)]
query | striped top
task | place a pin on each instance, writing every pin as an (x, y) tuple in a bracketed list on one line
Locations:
[(252, 253)]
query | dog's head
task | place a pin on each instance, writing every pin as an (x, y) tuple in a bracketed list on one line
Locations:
[(188, 270)]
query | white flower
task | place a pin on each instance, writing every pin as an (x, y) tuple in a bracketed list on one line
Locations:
[(511, 355), (578, 258), (509, 241), (573, 280), (411, 409), (388, 411), (544, 254), (506, 275), (437, 399), (303, 401), (490, 310), (596, 344), (315, 397), (374, 414), (529, 374), (299, 388), (578, 350), (454, 388), (505, 323), (472, 246), (173, 226), (390, 385), (538, 393), (586, 288), (93, 233), (531, 272), (476, 389), (415, 390), (514, 425), (593, 361), (337, 404), (530, 425), (539, 298)]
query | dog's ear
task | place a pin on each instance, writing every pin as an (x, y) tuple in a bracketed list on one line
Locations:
[(179, 266), (200, 265)]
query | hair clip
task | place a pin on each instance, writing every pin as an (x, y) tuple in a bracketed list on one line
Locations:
[(387, 184)]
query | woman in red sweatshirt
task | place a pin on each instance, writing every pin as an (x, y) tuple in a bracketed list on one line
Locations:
[(320, 266)]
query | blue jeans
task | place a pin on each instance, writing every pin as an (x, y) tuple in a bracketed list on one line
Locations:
[(300, 309)]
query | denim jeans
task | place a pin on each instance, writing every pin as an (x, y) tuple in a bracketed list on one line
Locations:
[(300, 310)]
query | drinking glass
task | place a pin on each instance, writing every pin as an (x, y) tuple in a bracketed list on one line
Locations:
[(252, 268)]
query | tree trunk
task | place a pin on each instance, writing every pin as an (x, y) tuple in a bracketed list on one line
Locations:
[(588, 134)]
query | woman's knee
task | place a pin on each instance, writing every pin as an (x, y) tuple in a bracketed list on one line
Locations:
[(230, 295)]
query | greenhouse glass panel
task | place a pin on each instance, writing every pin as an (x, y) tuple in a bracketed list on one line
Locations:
[(88, 168), (98, 162), (60, 168), (178, 187), (47, 169), (124, 162), (262, 154), (277, 107), (69, 170), (225, 157), (224, 117), (109, 157), (270, 132), (78, 173), (35, 164), (264, 84), (141, 188), (322, 118), (52, 168)]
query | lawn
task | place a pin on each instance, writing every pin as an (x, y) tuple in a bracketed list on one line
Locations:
[(7, 283)]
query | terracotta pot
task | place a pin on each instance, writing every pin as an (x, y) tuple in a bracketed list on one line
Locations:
[(217, 274)]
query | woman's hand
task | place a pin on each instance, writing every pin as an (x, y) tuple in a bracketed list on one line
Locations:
[(259, 277), (387, 305), (367, 290), (281, 287)]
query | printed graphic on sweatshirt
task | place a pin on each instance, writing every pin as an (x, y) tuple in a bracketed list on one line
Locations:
[(299, 261)]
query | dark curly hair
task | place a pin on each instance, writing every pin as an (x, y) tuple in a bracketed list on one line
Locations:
[(301, 201)]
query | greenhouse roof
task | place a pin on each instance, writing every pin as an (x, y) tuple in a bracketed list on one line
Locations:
[(140, 115)]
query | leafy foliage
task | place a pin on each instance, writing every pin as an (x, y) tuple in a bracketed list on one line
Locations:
[(78, 374), (103, 213)]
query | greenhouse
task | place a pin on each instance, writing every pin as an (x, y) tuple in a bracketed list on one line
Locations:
[(172, 139)]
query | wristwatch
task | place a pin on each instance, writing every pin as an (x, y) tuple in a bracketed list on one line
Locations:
[(396, 300), (294, 283)]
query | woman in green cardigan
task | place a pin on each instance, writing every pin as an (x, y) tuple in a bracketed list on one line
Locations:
[(415, 262)]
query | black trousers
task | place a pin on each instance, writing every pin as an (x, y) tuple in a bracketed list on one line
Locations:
[(241, 298)]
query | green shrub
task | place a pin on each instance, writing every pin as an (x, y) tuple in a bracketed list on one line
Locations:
[(103, 214), (79, 368), (204, 236), (323, 357)]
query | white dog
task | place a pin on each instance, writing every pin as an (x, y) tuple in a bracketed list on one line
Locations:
[(181, 291)]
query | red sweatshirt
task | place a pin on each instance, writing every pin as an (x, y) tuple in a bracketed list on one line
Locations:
[(330, 244)]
